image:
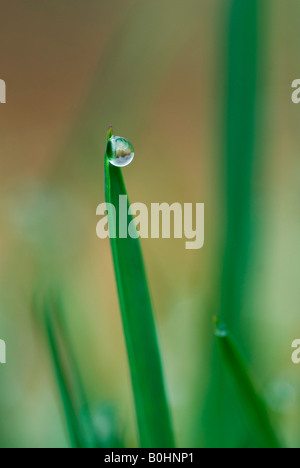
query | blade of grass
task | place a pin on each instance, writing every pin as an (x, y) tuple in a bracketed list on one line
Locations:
[(253, 402), (83, 408), (72, 418), (83, 430), (152, 412), (240, 137), (239, 154), (92, 435)]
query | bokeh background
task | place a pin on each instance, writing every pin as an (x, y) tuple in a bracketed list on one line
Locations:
[(158, 72)]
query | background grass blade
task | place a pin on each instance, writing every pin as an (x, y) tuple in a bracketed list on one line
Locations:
[(153, 418), (254, 404), (83, 411), (240, 146), (239, 153), (72, 417), (88, 427)]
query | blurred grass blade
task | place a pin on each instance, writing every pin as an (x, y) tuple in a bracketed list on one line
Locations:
[(240, 138), (98, 425), (72, 417), (242, 49), (85, 420), (153, 418), (254, 404), (83, 431)]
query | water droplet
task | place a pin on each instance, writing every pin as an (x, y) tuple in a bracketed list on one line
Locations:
[(119, 151), (221, 330)]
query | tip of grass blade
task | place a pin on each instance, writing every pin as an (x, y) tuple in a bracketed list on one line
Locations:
[(109, 132)]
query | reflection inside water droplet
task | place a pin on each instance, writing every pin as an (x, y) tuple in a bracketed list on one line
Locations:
[(119, 151)]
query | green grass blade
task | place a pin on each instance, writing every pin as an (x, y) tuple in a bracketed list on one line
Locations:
[(254, 404), (72, 417), (242, 56), (83, 411), (239, 153), (153, 417), (83, 425)]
